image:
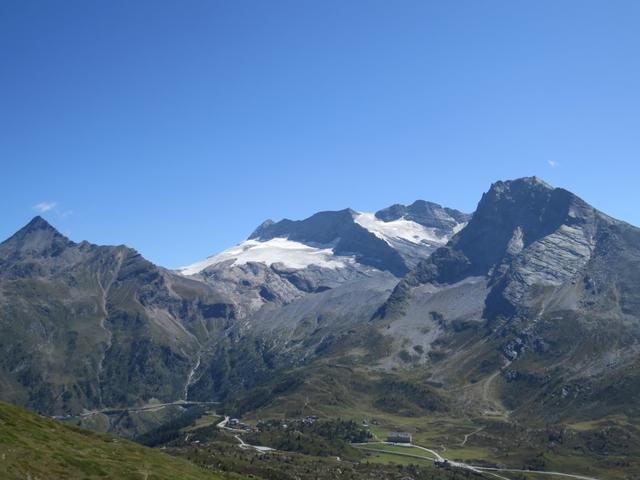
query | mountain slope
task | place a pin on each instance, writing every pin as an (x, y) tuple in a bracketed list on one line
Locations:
[(541, 287), (285, 261), (530, 310), (37, 447), (86, 326)]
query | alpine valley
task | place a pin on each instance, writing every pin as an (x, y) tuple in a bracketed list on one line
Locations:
[(506, 342)]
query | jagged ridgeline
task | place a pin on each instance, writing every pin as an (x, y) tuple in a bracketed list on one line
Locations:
[(530, 305)]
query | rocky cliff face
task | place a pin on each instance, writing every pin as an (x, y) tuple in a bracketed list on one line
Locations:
[(523, 233), (532, 261)]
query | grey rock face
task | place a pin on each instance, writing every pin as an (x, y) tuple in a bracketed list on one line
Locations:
[(303, 323), (524, 233), (341, 231), (250, 286), (428, 214), (527, 204), (552, 260), (558, 284), (37, 239)]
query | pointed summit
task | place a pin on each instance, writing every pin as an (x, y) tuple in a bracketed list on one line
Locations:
[(529, 205), (427, 214), (263, 227), (37, 237), (37, 223), (523, 183)]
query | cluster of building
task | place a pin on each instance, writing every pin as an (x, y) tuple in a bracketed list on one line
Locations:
[(236, 424), (310, 420)]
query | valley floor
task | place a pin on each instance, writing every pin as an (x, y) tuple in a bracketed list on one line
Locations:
[(488, 447)]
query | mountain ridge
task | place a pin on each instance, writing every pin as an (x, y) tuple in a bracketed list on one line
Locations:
[(392, 239), (492, 305)]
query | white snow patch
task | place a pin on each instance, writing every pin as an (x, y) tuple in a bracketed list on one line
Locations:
[(277, 250), (459, 227), (399, 230)]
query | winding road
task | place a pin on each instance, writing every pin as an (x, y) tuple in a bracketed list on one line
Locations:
[(142, 408), (492, 471), (242, 444)]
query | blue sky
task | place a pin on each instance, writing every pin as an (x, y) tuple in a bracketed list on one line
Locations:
[(177, 127)]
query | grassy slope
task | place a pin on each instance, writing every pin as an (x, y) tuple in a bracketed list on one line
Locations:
[(35, 447)]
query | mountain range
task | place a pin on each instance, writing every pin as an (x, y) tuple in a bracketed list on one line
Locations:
[(529, 307)]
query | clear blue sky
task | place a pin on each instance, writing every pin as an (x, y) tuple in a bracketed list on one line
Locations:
[(177, 127)]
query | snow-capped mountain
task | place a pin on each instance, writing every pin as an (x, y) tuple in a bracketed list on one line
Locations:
[(538, 295), (393, 239), (416, 230), (291, 254)]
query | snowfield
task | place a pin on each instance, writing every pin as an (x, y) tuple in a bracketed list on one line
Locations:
[(399, 230), (277, 250), (411, 239)]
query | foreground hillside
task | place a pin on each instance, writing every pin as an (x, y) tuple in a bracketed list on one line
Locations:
[(36, 447)]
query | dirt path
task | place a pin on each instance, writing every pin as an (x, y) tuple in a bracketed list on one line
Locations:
[(466, 437), (536, 472)]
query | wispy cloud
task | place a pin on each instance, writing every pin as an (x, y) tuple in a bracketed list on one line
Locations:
[(44, 207), (552, 163)]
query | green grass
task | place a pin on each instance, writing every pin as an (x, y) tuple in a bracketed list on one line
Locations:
[(397, 449), (393, 459), (32, 446), (207, 420), (595, 424), (468, 453), (461, 454)]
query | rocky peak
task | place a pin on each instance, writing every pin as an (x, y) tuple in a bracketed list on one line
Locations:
[(262, 229), (521, 211), (524, 233), (427, 214), (339, 231), (38, 237), (37, 223), (394, 239), (321, 228)]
